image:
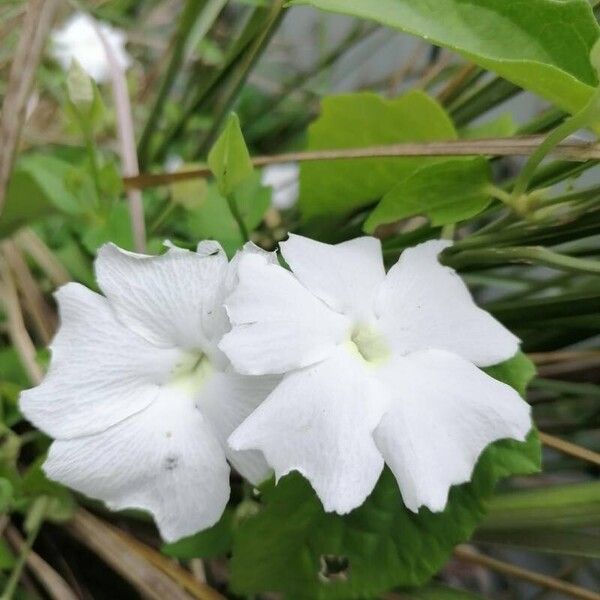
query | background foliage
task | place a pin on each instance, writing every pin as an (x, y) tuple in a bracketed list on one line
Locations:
[(526, 241)]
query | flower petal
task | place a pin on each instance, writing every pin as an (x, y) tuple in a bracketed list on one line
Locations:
[(319, 421), (345, 276), (100, 373), (423, 304), (445, 411), (170, 299), (165, 460), (278, 324), (226, 400)]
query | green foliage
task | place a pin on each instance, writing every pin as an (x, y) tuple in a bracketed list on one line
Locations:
[(524, 42), (445, 192), (229, 159), (213, 218), (357, 121), (439, 592), (215, 541), (40, 185), (294, 547)]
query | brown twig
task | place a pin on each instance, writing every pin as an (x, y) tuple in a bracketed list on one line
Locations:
[(16, 326), (36, 248), (122, 553), (36, 25), (570, 448), (575, 150), (544, 581), (127, 146), (55, 586), (43, 317), (456, 82)]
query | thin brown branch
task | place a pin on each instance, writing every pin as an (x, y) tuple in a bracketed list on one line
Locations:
[(122, 553), (545, 581), (575, 150), (544, 358), (43, 317), (36, 248), (457, 81), (16, 326), (570, 448), (36, 25), (127, 146), (54, 585)]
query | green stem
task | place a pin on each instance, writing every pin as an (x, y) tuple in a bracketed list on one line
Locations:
[(566, 128), (233, 207), (196, 19), (525, 254), (13, 581)]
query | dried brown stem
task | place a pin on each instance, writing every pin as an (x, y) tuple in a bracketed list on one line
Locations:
[(122, 553), (55, 586), (570, 448), (574, 150), (35, 247), (127, 146), (40, 312), (36, 25), (16, 326), (545, 581)]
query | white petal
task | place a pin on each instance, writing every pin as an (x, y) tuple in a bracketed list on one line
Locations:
[(445, 411), (165, 460), (284, 181), (319, 421), (423, 304), (345, 276), (100, 372), (170, 299), (226, 400), (278, 324)]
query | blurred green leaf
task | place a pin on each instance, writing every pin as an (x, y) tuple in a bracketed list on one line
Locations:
[(524, 42), (550, 541), (550, 507), (215, 541), (7, 558), (294, 546), (39, 186), (229, 159), (214, 220), (114, 227), (445, 192), (6, 494), (500, 127), (361, 120), (58, 505)]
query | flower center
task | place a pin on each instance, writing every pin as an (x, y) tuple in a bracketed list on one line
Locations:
[(191, 372), (369, 343)]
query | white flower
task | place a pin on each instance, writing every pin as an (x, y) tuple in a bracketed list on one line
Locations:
[(138, 395), (283, 178), (78, 39), (378, 368)]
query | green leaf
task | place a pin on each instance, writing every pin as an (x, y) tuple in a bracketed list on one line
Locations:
[(59, 503), (229, 159), (445, 192), (551, 507), (6, 495), (549, 541), (516, 372), (358, 121), (39, 186), (215, 541), (7, 558), (114, 227), (524, 42), (293, 546), (500, 127), (213, 218)]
